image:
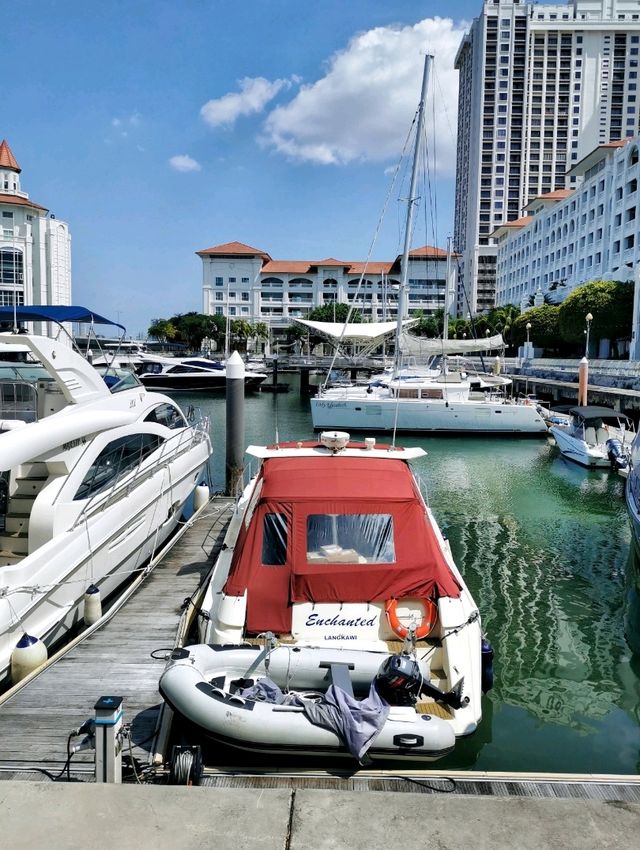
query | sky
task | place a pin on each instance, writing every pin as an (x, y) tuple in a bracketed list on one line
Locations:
[(158, 128)]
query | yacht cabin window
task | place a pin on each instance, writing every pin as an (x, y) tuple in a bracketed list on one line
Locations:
[(350, 539), (117, 459), (167, 415)]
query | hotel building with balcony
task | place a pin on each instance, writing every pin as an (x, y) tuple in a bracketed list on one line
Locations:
[(570, 237), (539, 87), (246, 283), (35, 246)]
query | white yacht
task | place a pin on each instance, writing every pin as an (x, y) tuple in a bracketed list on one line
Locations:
[(92, 481), (595, 437)]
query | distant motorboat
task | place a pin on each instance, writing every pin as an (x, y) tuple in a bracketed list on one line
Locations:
[(190, 374)]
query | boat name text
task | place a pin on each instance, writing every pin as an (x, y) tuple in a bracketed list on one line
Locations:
[(314, 620)]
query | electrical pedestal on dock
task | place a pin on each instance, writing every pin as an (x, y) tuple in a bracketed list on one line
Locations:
[(109, 739)]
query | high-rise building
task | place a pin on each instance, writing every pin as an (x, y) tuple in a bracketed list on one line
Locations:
[(540, 87), (35, 246)]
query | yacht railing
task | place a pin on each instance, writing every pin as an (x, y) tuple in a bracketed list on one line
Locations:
[(171, 449), (18, 400)]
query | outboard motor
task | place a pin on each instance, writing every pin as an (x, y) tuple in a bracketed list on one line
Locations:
[(399, 680), (487, 666), (618, 456)]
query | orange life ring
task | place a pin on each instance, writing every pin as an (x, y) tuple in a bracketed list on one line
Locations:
[(429, 618)]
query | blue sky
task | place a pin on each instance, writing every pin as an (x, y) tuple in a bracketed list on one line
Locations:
[(156, 129)]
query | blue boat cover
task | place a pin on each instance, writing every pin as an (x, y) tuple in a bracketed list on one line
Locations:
[(54, 313)]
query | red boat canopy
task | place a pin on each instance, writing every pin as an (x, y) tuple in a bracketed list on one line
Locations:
[(334, 529)]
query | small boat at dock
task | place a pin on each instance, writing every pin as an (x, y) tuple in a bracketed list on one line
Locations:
[(594, 436), (335, 595)]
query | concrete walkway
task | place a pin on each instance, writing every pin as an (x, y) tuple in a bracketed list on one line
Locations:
[(36, 815)]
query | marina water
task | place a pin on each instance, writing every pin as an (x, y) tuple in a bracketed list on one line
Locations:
[(545, 549)]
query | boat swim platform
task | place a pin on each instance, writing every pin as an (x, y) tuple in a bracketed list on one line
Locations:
[(123, 655)]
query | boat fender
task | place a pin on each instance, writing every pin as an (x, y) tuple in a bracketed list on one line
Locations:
[(28, 654), (429, 618), (92, 605), (200, 496), (487, 666)]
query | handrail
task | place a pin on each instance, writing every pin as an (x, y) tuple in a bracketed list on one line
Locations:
[(6, 411)]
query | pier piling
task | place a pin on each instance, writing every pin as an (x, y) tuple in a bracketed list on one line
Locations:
[(235, 424)]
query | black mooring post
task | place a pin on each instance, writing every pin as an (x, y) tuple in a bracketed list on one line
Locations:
[(235, 424)]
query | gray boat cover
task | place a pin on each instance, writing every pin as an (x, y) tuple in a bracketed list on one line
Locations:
[(356, 722)]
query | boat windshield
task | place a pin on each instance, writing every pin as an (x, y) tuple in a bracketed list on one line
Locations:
[(118, 380), (350, 539)]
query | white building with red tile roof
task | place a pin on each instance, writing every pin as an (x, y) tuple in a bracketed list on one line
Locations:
[(35, 246), (247, 283), (572, 236)]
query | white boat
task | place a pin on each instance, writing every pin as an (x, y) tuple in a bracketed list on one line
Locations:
[(334, 560), (190, 374), (595, 437), (632, 490), (450, 402), (92, 481)]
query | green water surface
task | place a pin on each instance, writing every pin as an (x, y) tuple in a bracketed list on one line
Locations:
[(545, 549)]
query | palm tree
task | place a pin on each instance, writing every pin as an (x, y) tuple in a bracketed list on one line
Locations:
[(241, 331)]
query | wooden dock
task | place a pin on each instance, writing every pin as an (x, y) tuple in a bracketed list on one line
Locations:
[(125, 657)]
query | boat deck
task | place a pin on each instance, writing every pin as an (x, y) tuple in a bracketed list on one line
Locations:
[(123, 658)]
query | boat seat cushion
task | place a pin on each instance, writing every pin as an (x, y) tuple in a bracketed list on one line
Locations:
[(602, 435), (590, 435)]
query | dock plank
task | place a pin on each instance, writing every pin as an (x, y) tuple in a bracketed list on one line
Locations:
[(114, 660)]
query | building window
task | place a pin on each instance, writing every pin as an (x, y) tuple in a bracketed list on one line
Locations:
[(245, 296), (245, 280), (219, 281)]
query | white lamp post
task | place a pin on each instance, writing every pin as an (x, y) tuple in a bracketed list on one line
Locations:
[(588, 319)]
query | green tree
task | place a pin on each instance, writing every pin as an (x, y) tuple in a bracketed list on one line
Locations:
[(241, 331), (162, 329), (327, 311), (610, 302), (193, 327), (544, 332)]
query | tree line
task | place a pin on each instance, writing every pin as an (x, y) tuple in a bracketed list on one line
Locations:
[(559, 329)]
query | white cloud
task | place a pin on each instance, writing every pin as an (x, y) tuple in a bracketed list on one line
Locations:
[(255, 93), (182, 162), (362, 108)]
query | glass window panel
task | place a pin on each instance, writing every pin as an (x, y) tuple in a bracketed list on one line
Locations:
[(274, 540), (350, 538)]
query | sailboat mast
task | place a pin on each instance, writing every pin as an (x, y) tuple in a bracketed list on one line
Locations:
[(402, 294)]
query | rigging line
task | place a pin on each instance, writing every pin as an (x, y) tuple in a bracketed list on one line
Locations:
[(371, 247), (443, 100)]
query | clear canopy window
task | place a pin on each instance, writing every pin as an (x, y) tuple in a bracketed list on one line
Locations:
[(350, 539), (274, 540)]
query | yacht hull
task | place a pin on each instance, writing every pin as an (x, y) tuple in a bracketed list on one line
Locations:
[(481, 417), (205, 382)]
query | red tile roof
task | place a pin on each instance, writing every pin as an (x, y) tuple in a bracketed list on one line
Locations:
[(428, 251), (7, 159), (234, 249), (370, 268), (18, 201), (286, 267), (330, 261), (558, 195)]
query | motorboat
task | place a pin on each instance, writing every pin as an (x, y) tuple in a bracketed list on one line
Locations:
[(595, 436), (336, 595), (190, 374), (93, 480)]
